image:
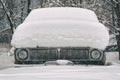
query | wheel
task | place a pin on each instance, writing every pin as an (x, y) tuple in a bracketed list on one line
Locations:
[(20, 62), (16, 62), (102, 62)]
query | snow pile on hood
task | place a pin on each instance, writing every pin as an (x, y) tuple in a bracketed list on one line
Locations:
[(66, 32)]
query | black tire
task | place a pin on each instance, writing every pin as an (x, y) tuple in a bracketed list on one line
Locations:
[(102, 62), (16, 62), (20, 62)]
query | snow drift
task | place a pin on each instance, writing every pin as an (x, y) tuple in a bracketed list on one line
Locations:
[(61, 27)]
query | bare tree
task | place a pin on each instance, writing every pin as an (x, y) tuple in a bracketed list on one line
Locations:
[(8, 17), (116, 19)]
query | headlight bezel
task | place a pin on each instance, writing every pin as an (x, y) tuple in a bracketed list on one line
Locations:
[(96, 54), (21, 52)]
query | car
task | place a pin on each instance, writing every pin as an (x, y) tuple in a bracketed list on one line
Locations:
[(60, 33)]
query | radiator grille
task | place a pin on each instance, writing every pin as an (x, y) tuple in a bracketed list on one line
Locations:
[(43, 54), (63, 53), (74, 53)]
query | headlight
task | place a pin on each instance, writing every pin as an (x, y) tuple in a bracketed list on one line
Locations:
[(22, 54), (95, 54)]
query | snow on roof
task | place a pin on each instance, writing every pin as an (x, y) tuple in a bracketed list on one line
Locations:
[(61, 13), (60, 32)]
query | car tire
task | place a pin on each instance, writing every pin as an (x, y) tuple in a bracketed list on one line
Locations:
[(16, 62), (102, 62)]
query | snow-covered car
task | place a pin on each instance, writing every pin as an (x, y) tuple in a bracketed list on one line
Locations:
[(63, 33)]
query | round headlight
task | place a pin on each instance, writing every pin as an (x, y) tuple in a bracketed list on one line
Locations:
[(22, 55), (95, 54)]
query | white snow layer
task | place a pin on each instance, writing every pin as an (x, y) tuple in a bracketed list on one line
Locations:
[(61, 13), (72, 30)]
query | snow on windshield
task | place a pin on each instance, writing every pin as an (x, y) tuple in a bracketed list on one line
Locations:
[(66, 32)]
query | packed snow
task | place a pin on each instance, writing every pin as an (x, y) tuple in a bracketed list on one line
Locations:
[(76, 72), (69, 31)]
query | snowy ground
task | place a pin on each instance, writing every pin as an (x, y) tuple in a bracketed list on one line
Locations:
[(10, 71)]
